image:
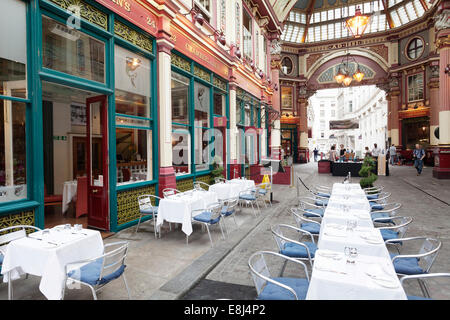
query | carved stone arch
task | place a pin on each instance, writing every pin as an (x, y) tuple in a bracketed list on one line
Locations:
[(369, 54)]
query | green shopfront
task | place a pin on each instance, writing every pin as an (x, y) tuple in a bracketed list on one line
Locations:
[(77, 110)]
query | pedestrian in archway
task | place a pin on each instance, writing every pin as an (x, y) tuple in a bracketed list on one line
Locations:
[(418, 155), (316, 152)]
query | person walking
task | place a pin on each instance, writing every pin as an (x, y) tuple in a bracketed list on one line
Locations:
[(418, 155), (392, 154), (316, 152)]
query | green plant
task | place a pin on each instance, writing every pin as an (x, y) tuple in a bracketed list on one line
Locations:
[(368, 177), (217, 171)]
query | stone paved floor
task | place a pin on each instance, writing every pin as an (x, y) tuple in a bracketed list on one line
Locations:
[(167, 268)]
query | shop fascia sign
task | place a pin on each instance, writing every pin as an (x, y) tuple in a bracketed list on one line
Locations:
[(133, 12)]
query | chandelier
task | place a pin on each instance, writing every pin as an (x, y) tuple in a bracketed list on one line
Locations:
[(358, 23), (343, 75)]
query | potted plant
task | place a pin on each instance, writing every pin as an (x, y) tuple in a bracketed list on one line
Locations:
[(368, 177), (217, 171)]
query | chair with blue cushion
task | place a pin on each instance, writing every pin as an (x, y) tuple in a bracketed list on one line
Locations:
[(269, 287), (97, 272), (249, 197), (397, 231), (167, 192), (263, 191), (310, 208), (379, 203), (421, 278), (384, 216), (147, 209), (295, 249), (229, 209), (321, 191), (378, 196), (303, 223), (208, 217)]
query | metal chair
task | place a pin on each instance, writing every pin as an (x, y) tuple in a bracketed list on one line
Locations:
[(310, 208), (264, 192), (276, 288), (382, 195), (249, 197), (97, 272), (7, 235), (421, 278), (170, 191), (229, 207), (303, 223), (200, 185), (219, 180), (293, 248), (384, 216), (418, 263), (380, 202), (397, 231), (147, 209), (208, 217)]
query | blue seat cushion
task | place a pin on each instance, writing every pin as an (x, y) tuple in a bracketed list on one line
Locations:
[(90, 273), (206, 217), (294, 250), (407, 266), (321, 202), (326, 195), (250, 197), (379, 215), (274, 292), (316, 211), (311, 227), (372, 196), (417, 298), (153, 210), (262, 191), (1, 258), (388, 234), (226, 212), (376, 206)]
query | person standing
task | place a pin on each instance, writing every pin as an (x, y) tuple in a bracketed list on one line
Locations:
[(315, 154), (392, 154), (367, 152), (333, 153), (375, 151), (342, 152), (418, 155)]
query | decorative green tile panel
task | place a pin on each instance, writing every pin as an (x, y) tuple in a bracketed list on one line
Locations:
[(180, 62), (87, 11), (127, 203), (185, 184), (133, 36), (202, 74), (206, 179), (15, 219), (220, 83)]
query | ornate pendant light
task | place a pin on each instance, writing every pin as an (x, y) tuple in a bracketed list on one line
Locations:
[(339, 77), (347, 80), (358, 75), (344, 76), (358, 23)]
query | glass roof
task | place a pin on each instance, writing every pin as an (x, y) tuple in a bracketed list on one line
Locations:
[(327, 22)]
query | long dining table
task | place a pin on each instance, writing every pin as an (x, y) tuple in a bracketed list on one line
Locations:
[(352, 261)]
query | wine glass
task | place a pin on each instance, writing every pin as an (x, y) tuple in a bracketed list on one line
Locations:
[(351, 253)]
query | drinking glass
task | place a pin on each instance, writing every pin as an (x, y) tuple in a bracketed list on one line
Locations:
[(351, 253)]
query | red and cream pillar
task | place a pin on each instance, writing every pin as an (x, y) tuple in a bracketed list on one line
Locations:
[(275, 137), (441, 168), (164, 48), (394, 93), (433, 87), (303, 125)]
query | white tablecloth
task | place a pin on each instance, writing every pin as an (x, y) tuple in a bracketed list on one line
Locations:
[(335, 279), (225, 190), (178, 208), (69, 192), (40, 258), (332, 276), (242, 184)]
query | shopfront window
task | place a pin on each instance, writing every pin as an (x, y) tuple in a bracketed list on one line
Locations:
[(201, 124), (247, 34), (133, 117), (415, 87), (72, 51), (181, 150), (180, 98), (219, 104), (13, 177), (132, 81), (13, 49)]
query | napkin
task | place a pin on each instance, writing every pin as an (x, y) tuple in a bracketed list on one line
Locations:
[(329, 265), (329, 254), (381, 277), (335, 226), (371, 237), (335, 232)]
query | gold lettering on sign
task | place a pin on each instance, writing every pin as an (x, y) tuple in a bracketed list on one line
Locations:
[(123, 4), (151, 22), (199, 54)]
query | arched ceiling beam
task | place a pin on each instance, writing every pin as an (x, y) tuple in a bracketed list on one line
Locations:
[(388, 14), (309, 12)]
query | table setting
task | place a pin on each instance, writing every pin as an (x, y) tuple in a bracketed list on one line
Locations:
[(45, 253), (352, 261)]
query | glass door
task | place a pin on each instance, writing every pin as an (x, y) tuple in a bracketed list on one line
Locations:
[(97, 164)]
